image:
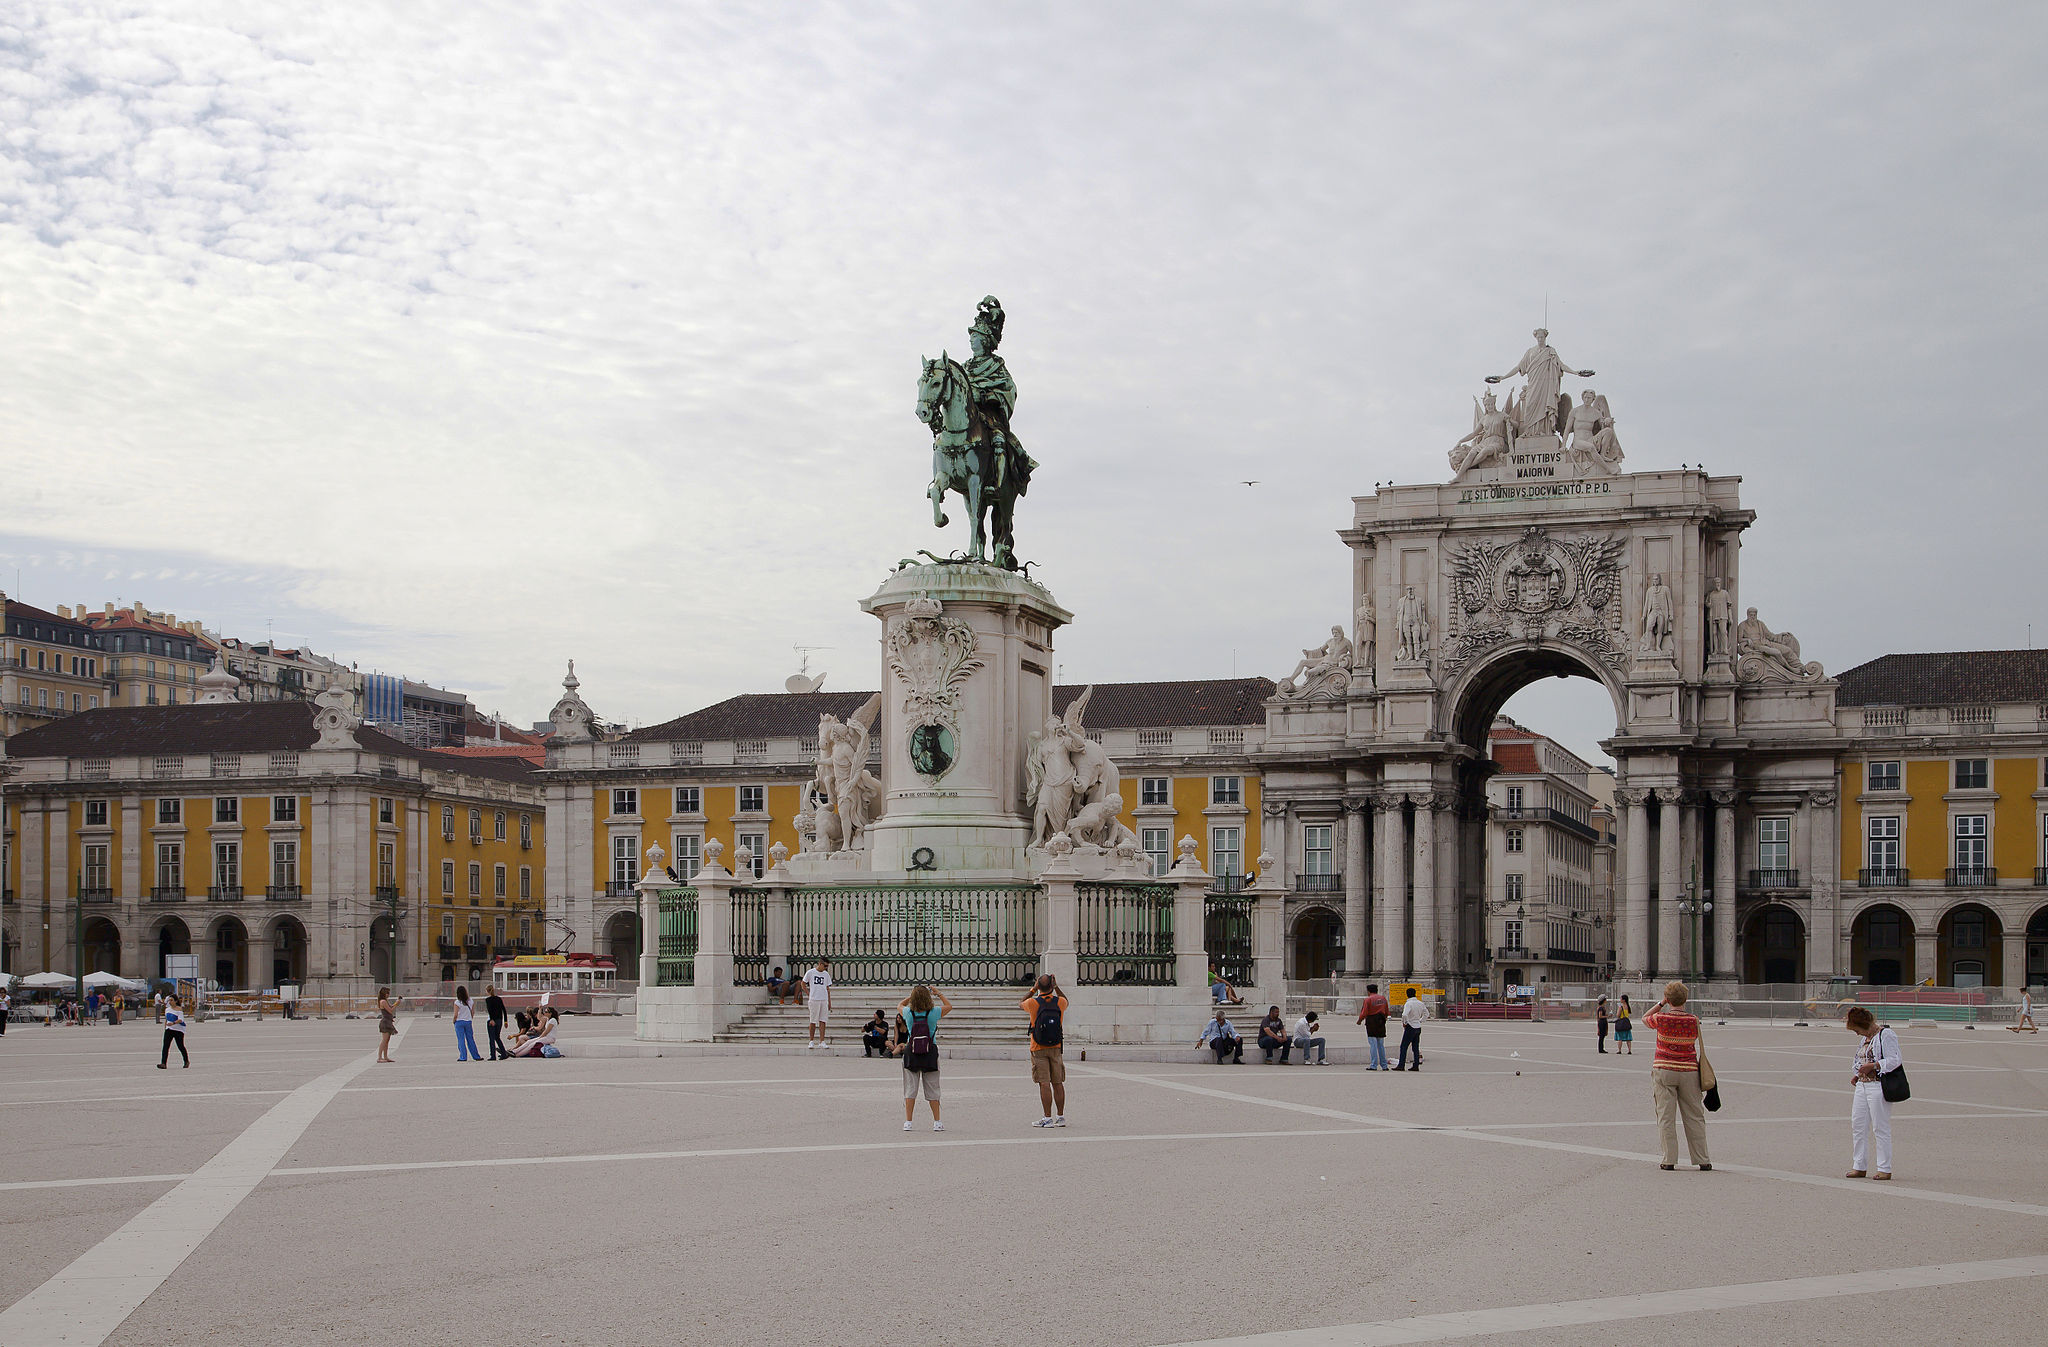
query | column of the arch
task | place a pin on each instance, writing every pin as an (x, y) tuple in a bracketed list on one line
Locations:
[(1357, 945), (1449, 857), (1422, 944), (1724, 888), (1670, 885), (1635, 884), (1823, 847), (1390, 869)]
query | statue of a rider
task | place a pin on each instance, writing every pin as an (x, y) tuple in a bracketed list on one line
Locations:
[(995, 394)]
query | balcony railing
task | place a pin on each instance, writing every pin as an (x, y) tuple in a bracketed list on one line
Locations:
[(1319, 883), (167, 893), (388, 893), (1883, 879), (1573, 956), (621, 888), (224, 893), (2040, 879), (284, 893), (86, 894), (1971, 877), (1511, 952), (448, 949), (1545, 814), (1228, 883), (1774, 879)]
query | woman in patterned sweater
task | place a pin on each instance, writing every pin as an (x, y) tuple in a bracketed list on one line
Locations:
[(1675, 1077)]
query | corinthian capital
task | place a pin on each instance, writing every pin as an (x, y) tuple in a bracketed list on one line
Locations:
[(1631, 797)]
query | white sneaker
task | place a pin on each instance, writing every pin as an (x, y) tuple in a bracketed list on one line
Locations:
[(938, 1126), (906, 1124), (1041, 1122), (1059, 1120), (808, 1045)]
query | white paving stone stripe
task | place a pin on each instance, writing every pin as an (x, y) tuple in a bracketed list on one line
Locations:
[(1891, 1190), (1644, 1305), (85, 1303)]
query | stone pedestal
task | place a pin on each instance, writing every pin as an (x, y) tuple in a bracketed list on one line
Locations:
[(967, 679)]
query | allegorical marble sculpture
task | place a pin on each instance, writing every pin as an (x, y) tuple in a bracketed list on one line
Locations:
[(1492, 436), (1066, 772), (1541, 409), (932, 655), (1766, 656), (852, 797), (1593, 442), (1411, 623), (1563, 588), (1658, 617), (974, 452), (1323, 668), (1097, 824)]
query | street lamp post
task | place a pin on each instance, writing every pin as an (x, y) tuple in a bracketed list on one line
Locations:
[(1694, 910)]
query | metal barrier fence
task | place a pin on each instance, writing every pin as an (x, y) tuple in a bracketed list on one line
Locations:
[(676, 956), (1126, 934), (749, 938), (891, 935), (1227, 937)]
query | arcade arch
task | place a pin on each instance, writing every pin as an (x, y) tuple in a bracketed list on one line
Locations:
[(168, 936), (1969, 947), (622, 941), (1316, 939), (1774, 945), (102, 945), (1881, 947), (287, 950), (226, 958)]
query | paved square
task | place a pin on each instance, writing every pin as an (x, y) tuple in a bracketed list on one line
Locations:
[(286, 1183)]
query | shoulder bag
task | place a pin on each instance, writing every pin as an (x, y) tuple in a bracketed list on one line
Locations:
[(1710, 1084), (1893, 1082)]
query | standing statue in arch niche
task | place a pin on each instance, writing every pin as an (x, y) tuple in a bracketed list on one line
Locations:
[(846, 795), (1659, 617), (1542, 409), (1720, 620), (974, 451), (1066, 773), (1411, 624), (1325, 668), (1368, 637), (1766, 656)]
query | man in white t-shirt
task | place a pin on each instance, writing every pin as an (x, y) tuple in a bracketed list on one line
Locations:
[(819, 984)]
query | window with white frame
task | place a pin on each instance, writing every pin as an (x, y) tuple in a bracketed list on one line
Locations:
[(1972, 774), (448, 878), (1154, 790), (688, 856), (1511, 936), (1882, 836), (93, 874), (95, 813), (284, 864), (387, 809), (498, 882), (525, 883), (227, 809), (475, 934), (625, 800), (476, 825), (448, 822), (1158, 847), (1511, 888), (1972, 841), (753, 799), (284, 809), (447, 929), (1226, 849), (476, 879), (387, 865), (526, 930), (498, 826), (689, 800), (1511, 839), (757, 845), (526, 830), (227, 865), (170, 866), (1514, 797), (1315, 849), (170, 811), (1882, 776), (1774, 843), (625, 852), (1226, 790), (498, 931)]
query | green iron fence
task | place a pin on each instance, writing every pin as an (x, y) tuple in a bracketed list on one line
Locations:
[(1227, 937), (749, 938), (676, 956), (1126, 934), (897, 934)]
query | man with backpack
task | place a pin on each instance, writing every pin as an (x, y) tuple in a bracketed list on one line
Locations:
[(920, 1050), (1047, 1009), (1372, 1013)]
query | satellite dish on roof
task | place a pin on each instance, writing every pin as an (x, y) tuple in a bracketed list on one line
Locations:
[(799, 683)]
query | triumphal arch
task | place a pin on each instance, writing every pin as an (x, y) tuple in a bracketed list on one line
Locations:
[(1543, 556)]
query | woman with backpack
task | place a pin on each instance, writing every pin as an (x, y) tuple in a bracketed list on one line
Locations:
[(1870, 1113), (921, 1050)]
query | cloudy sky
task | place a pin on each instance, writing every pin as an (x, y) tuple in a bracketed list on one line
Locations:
[(459, 340)]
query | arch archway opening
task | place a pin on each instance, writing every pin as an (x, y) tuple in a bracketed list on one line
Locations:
[(171, 937), (1881, 949), (622, 942), (102, 946), (1774, 946), (228, 964), (1969, 947), (287, 951), (1318, 944)]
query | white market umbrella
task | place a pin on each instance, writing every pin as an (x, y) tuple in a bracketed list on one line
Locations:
[(104, 979), (49, 982)]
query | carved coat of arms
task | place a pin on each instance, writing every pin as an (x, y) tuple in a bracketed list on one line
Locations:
[(1536, 587), (933, 655)]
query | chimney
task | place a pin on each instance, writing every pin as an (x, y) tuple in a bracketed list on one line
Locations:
[(63, 611), (110, 610)]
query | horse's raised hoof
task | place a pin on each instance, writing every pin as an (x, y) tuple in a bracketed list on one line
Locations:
[(939, 518)]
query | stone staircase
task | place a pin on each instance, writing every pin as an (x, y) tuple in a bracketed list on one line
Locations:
[(981, 1017)]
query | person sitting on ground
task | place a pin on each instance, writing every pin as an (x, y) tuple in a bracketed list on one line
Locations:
[(1220, 989), (1273, 1036), (782, 990), (874, 1036), (542, 1042), (1308, 1033), (1222, 1037)]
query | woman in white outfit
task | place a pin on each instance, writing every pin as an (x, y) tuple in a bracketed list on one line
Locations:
[(1870, 1114)]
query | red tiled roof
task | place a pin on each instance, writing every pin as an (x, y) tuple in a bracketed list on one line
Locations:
[(1947, 678), (1517, 757), (1115, 706), (484, 729)]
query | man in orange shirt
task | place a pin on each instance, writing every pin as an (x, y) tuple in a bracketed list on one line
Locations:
[(1047, 1009), (1372, 1013)]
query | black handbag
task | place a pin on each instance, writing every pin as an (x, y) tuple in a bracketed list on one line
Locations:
[(1712, 1096), (1892, 1084)]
